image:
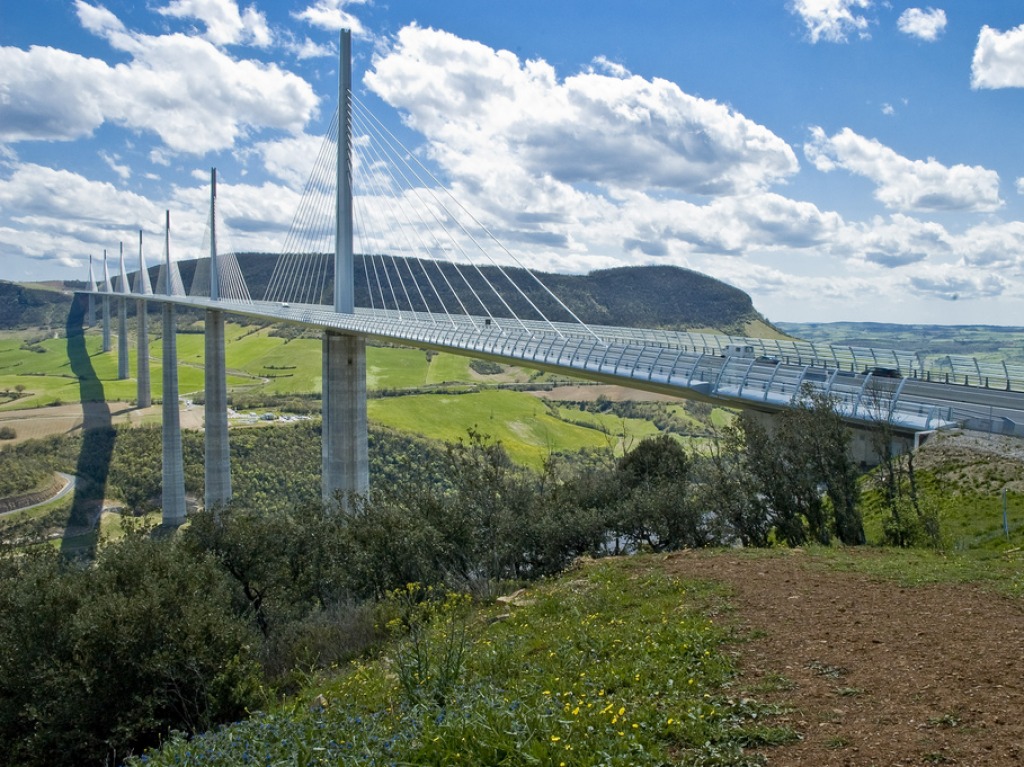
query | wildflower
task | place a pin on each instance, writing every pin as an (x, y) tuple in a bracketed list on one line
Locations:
[(555, 738)]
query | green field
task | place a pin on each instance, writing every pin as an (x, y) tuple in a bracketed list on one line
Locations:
[(526, 426), (263, 364)]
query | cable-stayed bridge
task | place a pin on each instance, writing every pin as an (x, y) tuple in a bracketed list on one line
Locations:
[(436, 277)]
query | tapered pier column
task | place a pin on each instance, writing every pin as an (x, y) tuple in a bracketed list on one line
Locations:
[(218, 456), (173, 463), (346, 471), (107, 290), (144, 397), (346, 466), (105, 307), (218, 453), (122, 323), (90, 317)]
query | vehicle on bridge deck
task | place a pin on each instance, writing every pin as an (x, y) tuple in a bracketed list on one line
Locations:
[(879, 372), (737, 350)]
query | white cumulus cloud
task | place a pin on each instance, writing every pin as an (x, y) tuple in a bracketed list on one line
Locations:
[(471, 101), (901, 183), (186, 90), (832, 20), (998, 59), (332, 15), (225, 23), (927, 24)]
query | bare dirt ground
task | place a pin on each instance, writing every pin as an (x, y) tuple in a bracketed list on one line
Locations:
[(872, 673), (588, 393), (45, 421)]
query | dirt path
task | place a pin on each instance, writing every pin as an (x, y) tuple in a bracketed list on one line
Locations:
[(873, 673)]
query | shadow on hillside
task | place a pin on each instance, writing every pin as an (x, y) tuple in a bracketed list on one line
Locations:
[(98, 435)]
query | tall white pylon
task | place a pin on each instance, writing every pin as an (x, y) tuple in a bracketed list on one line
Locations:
[(122, 322), (91, 316), (144, 394), (218, 451), (107, 290), (345, 466), (173, 461)]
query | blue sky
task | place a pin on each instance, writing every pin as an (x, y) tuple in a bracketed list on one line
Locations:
[(836, 159)]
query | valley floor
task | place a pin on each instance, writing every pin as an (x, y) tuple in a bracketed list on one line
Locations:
[(872, 672)]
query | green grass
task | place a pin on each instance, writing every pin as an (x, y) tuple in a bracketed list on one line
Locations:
[(999, 571), (613, 664), (521, 422), (448, 368), (261, 363)]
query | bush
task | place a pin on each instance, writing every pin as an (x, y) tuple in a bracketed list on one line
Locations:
[(100, 661), (8, 432)]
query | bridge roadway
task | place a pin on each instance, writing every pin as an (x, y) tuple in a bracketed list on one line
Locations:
[(660, 361)]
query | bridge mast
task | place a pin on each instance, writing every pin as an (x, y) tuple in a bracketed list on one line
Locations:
[(173, 461), (144, 395), (122, 322), (344, 449), (218, 456), (107, 290)]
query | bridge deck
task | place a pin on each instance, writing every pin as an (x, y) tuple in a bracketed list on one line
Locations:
[(668, 362)]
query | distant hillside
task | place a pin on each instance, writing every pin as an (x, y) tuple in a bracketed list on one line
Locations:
[(631, 296), (642, 296), (985, 341), (22, 306)]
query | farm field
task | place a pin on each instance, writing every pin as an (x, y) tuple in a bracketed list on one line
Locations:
[(38, 389)]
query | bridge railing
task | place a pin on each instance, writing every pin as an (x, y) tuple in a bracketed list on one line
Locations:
[(657, 358)]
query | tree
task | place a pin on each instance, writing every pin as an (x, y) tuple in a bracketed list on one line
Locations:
[(100, 661), (657, 509), (800, 461)]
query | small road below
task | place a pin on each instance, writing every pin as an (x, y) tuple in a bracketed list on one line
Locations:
[(69, 487)]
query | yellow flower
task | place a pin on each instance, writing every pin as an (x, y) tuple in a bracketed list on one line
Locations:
[(555, 738)]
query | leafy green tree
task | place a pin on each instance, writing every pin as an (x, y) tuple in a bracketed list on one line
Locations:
[(657, 508), (103, 660), (806, 480)]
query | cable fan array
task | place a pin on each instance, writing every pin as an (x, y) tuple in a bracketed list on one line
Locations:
[(230, 281), (419, 252)]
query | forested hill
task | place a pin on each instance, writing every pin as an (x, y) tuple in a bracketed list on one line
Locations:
[(632, 296), (23, 306)]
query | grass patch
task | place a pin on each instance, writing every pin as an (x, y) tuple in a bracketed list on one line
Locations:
[(915, 567), (522, 423), (610, 664)]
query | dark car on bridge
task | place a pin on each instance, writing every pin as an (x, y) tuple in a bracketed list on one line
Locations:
[(883, 372)]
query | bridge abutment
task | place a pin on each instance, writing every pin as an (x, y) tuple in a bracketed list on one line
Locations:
[(218, 457), (173, 461), (346, 463)]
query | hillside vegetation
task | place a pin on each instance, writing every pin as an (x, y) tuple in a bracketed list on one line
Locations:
[(645, 296)]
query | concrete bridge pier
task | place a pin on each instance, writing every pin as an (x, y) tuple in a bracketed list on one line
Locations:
[(346, 463), (173, 461), (144, 396), (218, 456), (122, 339), (107, 346)]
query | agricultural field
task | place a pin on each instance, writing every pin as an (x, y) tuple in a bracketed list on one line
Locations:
[(39, 387), (989, 343)]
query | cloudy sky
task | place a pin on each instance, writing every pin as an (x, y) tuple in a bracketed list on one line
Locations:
[(837, 159)]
